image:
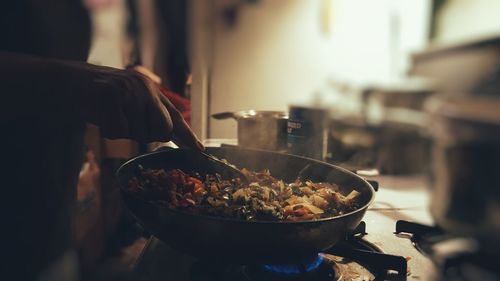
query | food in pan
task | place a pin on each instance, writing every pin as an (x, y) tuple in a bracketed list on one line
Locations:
[(264, 198)]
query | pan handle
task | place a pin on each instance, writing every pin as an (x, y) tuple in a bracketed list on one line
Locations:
[(373, 183), (224, 115)]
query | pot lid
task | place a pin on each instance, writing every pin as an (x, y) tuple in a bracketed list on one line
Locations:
[(484, 109), (261, 114)]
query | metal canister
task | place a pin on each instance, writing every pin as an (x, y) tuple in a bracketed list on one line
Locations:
[(307, 133)]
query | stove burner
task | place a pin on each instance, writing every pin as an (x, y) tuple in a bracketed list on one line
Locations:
[(350, 259), (307, 265), (315, 267)]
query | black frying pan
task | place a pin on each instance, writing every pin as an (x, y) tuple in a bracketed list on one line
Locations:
[(246, 241)]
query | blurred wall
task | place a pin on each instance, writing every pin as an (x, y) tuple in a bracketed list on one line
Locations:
[(463, 20), (108, 34), (280, 52)]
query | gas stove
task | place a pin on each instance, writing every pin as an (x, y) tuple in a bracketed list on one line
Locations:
[(372, 252), (386, 246), (352, 259)]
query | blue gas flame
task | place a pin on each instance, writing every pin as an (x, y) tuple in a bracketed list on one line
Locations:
[(294, 269)]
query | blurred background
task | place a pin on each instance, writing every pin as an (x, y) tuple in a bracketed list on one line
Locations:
[(390, 87), (369, 66), (267, 55)]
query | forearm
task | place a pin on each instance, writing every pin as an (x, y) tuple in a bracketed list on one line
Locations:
[(123, 103), (35, 87)]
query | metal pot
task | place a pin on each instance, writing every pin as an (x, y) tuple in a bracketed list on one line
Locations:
[(259, 129), (465, 190)]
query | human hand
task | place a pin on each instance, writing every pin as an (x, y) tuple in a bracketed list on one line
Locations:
[(126, 104)]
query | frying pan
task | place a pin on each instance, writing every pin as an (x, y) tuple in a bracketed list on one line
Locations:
[(238, 241)]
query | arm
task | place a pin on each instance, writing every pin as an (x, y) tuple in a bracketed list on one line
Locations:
[(31, 86), (123, 103)]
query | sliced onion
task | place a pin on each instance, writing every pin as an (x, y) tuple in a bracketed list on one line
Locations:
[(313, 209)]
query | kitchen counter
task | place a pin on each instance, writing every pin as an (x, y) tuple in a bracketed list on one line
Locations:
[(400, 198)]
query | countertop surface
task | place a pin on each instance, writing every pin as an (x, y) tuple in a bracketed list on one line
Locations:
[(400, 198)]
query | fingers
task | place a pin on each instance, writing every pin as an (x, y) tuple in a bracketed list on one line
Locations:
[(182, 133), (129, 105), (147, 117), (159, 123), (111, 117), (178, 129), (135, 107), (114, 125)]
